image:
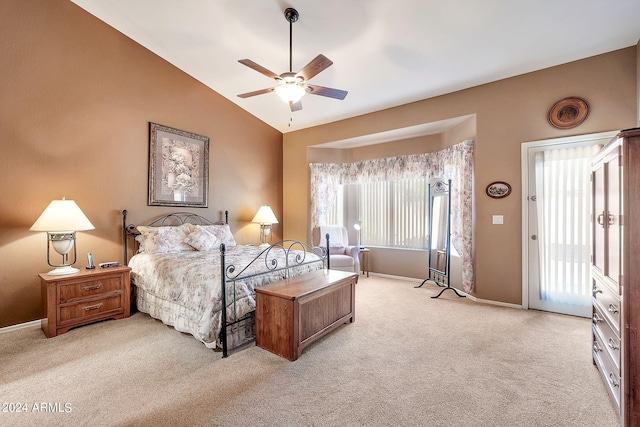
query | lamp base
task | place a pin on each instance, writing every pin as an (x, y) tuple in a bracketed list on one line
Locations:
[(61, 271)]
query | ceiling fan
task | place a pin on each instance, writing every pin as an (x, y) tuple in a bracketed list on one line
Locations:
[(291, 87)]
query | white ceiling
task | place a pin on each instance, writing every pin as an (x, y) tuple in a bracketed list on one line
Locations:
[(384, 52)]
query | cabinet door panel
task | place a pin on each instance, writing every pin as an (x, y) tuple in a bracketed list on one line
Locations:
[(612, 219), (598, 249)]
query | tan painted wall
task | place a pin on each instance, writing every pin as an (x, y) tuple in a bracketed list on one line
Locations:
[(508, 113), (76, 100)]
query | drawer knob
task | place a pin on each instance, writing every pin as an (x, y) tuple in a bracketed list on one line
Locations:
[(613, 345), (92, 287), (612, 380), (596, 318), (613, 308), (596, 290), (92, 307), (596, 347)]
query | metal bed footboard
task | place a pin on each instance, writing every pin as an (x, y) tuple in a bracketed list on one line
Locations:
[(230, 274)]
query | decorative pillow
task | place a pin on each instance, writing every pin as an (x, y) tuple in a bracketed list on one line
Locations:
[(156, 240), (222, 232), (202, 239), (335, 236)]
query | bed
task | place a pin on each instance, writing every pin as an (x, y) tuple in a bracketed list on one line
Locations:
[(189, 273)]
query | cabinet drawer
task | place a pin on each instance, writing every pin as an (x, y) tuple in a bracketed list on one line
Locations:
[(608, 302), (71, 291), (610, 374), (72, 313), (607, 341)]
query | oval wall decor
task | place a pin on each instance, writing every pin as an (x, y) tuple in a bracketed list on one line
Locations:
[(568, 112), (498, 190)]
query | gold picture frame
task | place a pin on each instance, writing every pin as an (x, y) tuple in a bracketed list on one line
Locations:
[(178, 167)]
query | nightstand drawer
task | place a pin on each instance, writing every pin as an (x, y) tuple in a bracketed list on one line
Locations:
[(72, 312), (69, 292)]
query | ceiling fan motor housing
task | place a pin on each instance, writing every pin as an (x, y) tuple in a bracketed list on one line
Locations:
[(291, 15)]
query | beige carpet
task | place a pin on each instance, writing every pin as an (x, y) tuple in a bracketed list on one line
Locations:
[(408, 360)]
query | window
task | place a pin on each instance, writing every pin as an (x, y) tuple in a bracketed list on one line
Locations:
[(399, 222), (393, 213)]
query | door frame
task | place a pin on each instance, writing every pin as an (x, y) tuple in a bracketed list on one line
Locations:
[(524, 163)]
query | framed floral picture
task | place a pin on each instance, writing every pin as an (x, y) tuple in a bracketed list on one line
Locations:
[(178, 167)]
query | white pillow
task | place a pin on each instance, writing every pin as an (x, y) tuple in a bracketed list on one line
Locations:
[(202, 239), (156, 240), (222, 232)]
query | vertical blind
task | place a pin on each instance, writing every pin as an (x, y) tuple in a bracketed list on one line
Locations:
[(410, 213), (394, 212), (563, 215)]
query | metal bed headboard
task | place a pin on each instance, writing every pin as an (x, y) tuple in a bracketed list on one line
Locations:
[(174, 218)]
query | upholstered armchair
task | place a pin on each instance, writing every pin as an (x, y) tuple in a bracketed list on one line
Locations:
[(343, 256)]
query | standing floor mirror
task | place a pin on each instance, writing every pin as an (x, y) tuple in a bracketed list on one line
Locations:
[(439, 242)]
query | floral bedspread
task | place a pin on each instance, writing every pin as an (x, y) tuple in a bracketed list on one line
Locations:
[(183, 289)]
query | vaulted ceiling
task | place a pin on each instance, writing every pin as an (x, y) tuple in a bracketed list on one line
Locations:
[(385, 53)]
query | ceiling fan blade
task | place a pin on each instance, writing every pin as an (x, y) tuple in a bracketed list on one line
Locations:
[(326, 91), (256, 92), (259, 68), (296, 106), (318, 64)]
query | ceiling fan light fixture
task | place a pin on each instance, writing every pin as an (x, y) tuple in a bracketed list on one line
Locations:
[(290, 92)]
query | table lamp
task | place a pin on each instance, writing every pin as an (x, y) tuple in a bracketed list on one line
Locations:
[(61, 219), (358, 227), (265, 217)]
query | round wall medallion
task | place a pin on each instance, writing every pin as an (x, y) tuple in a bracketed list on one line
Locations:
[(568, 112)]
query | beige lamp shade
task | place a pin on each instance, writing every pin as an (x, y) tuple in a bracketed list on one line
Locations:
[(62, 215), (265, 216)]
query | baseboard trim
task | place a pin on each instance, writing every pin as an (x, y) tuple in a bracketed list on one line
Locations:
[(492, 302), (34, 324), (391, 276), (471, 297)]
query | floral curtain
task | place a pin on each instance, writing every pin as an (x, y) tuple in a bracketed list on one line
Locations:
[(455, 163)]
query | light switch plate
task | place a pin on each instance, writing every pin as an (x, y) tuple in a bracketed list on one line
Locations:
[(498, 219)]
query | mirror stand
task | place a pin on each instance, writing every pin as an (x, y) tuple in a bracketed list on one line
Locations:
[(439, 196)]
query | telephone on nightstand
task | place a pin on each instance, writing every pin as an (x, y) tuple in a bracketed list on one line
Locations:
[(90, 263)]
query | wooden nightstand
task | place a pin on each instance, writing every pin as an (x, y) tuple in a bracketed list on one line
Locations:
[(83, 298)]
